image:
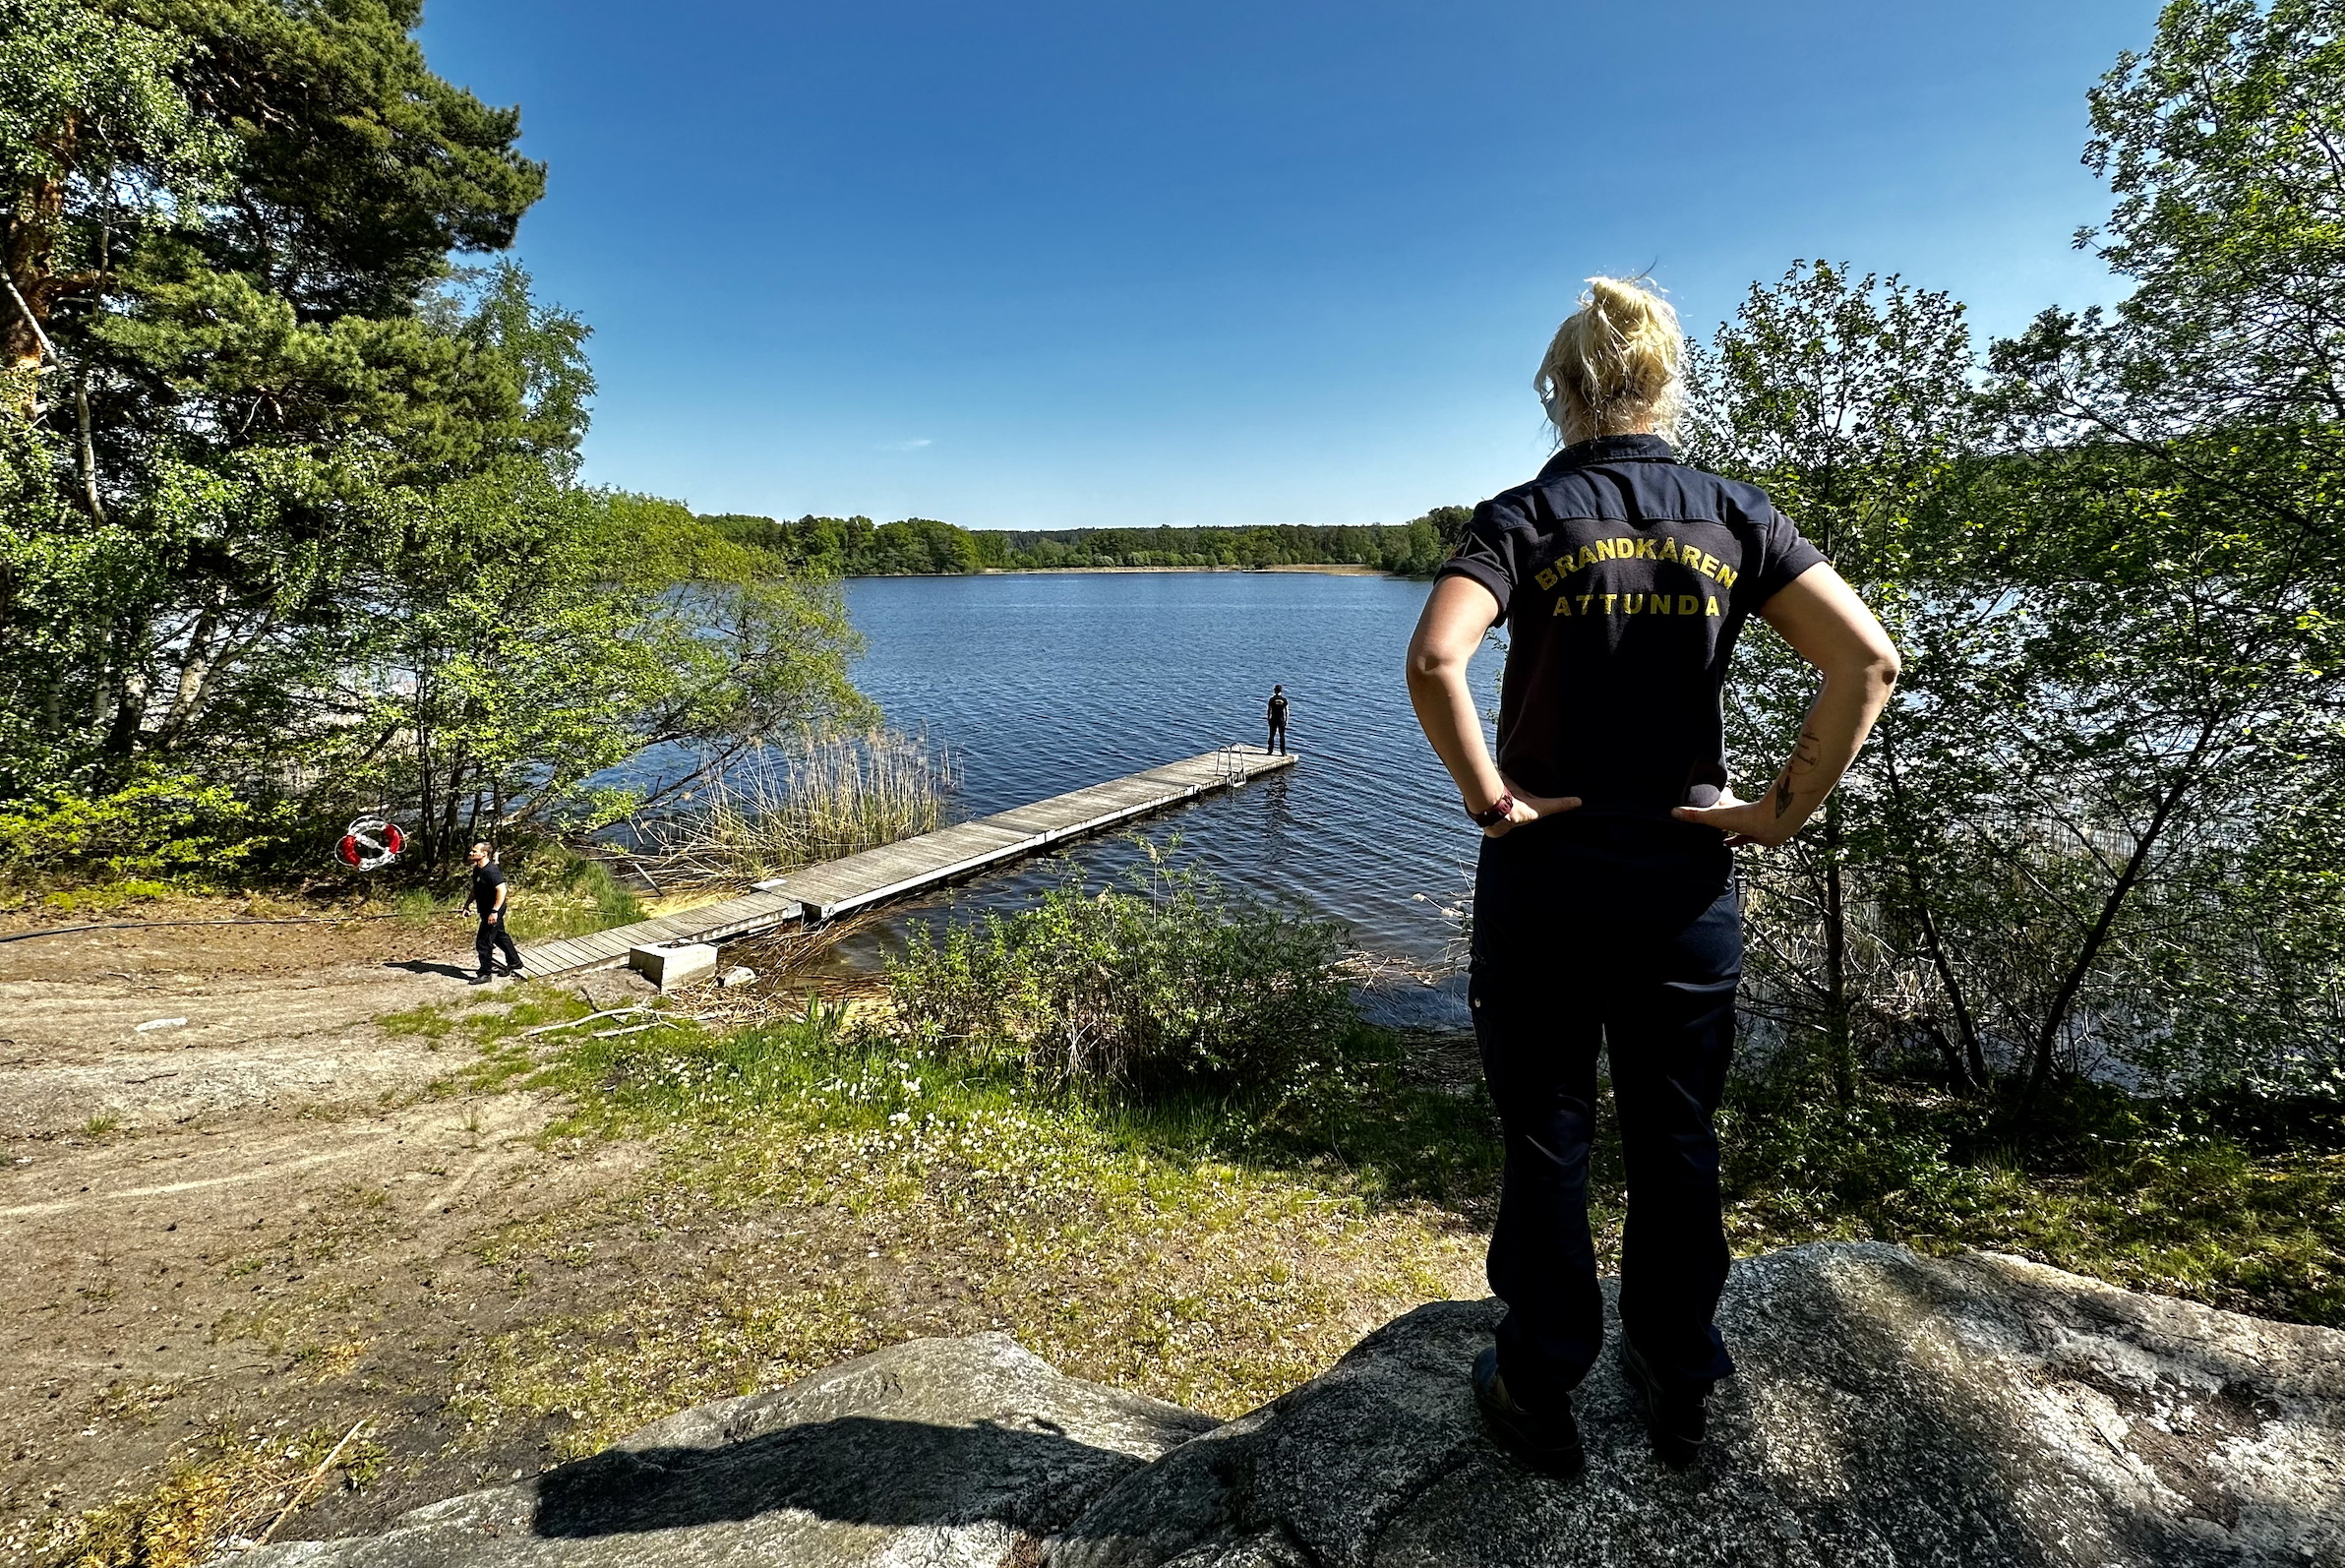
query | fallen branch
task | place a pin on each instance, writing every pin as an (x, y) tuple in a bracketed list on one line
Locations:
[(572, 1023), (302, 1491)]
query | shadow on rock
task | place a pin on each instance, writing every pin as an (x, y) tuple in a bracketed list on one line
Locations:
[(856, 1469)]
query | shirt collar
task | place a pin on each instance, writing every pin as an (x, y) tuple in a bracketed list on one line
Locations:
[(1609, 449)]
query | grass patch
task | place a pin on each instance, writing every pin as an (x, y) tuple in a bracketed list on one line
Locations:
[(2240, 1208), (841, 1191), (497, 1032), (491, 1024), (841, 1195), (108, 898), (1359, 1119), (592, 1376), (233, 1486), (560, 893)]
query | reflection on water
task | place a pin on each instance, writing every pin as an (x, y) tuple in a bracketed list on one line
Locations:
[(1044, 683)]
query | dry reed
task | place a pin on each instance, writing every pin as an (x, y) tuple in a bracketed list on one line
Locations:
[(820, 799)]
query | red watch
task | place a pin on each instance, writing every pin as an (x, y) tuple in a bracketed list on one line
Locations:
[(1500, 809)]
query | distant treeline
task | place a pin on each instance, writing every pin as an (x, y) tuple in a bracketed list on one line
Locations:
[(857, 547)]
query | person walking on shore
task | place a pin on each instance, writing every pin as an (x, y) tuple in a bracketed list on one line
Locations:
[(490, 891), (1278, 721), (1605, 909)]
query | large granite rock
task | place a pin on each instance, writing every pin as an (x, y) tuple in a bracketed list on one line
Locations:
[(934, 1452), (1890, 1410)]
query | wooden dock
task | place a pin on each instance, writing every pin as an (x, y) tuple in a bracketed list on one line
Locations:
[(915, 865)]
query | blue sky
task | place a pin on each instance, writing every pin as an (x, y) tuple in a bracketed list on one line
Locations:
[(1057, 264)]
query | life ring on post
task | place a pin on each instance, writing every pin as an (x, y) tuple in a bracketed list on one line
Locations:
[(370, 844)]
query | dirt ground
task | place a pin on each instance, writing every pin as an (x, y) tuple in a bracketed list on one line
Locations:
[(253, 1221), (232, 1237)]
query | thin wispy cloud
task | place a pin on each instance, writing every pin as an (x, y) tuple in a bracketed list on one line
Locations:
[(905, 446)]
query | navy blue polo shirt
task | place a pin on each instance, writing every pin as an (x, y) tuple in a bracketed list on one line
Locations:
[(1625, 577)]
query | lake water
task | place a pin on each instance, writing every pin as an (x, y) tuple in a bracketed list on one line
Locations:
[(1044, 683)]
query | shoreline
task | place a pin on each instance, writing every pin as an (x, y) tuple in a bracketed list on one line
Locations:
[(1329, 570)]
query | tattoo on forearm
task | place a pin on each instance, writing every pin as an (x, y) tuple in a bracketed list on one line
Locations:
[(1804, 760)]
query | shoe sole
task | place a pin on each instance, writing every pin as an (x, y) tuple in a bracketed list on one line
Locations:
[(1669, 1448), (1558, 1464)]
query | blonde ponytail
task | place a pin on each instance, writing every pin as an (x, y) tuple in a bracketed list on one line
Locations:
[(1613, 367)]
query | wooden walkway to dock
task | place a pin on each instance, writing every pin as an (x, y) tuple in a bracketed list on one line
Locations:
[(915, 865)]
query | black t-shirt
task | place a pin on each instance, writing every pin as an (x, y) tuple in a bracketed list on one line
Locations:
[(1626, 578), (485, 879), (1278, 710)]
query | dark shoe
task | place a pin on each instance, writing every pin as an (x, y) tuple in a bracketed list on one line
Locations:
[(484, 977), (1675, 1418), (1548, 1441)]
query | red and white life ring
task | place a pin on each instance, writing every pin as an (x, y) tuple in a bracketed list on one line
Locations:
[(370, 844)]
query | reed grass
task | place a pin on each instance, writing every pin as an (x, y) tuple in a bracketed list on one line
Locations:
[(817, 800)]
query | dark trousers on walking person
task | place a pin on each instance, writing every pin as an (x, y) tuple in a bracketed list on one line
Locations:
[(1278, 738), (1625, 937), (494, 937)]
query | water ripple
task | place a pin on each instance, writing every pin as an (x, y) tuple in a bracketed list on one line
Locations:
[(1043, 684)]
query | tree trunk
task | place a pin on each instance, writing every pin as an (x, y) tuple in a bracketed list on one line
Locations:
[(1971, 1064), (198, 663), (430, 840), (124, 692), (30, 240), (2130, 878), (453, 799), (27, 255), (87, 450), (1837, 1042)]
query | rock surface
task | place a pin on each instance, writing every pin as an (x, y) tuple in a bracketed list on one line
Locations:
[(1889, 1410), (934, 1452)]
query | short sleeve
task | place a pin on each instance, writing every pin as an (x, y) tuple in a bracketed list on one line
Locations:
[(1487, 555), (1783, 556)]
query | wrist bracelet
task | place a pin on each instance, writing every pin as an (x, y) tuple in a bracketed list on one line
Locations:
[(1500, 809)]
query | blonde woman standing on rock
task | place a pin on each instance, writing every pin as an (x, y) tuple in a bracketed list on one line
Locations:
[(1607, 915)]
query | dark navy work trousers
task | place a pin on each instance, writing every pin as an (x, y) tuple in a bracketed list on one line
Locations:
[(1624, 937), (493, 939)]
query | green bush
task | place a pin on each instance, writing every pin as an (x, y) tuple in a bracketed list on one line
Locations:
[(1167, 984), (162, 826)]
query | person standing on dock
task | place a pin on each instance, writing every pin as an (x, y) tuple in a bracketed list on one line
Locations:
[(1278, 721), (1605, 909), (490, 891)]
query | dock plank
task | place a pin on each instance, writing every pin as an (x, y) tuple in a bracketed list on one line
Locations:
[(915, 865)]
